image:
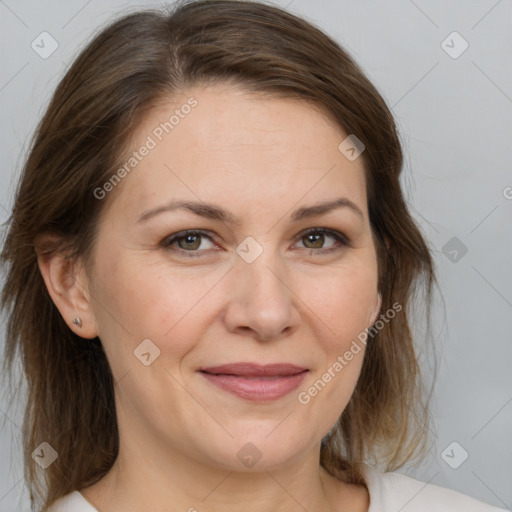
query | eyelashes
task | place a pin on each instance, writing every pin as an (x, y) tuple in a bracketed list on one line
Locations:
[(193, 240), (341, 239)]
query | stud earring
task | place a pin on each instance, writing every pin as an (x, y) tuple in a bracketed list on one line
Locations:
[(78, 321)]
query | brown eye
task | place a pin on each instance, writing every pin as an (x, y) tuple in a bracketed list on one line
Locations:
[(316, 238), (187, 242), (316, 241)]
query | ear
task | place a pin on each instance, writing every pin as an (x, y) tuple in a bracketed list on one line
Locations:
[(375, 310), (67, 285)]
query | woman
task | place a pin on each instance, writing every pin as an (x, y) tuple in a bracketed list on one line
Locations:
[(209, 271)]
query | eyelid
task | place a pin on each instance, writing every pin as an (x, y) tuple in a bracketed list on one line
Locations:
[(170, 239), (340, 237)]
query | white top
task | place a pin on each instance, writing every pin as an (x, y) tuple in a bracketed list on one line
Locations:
[(389, 492)]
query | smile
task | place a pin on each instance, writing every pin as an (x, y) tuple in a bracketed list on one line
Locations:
[(255, 382)]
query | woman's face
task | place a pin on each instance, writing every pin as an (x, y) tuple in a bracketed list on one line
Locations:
[(254, 287)]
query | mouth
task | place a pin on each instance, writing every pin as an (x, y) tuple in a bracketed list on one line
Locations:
[(255, 382)]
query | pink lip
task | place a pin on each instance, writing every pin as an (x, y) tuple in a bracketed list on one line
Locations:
[(256, 382)]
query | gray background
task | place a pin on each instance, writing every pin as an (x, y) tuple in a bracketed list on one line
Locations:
[(454, 116)]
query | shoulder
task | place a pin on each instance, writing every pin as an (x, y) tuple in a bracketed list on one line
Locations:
[(73, 502), (393, 491)]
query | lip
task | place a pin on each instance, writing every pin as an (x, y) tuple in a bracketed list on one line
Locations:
[(255, 382), (255, 370)]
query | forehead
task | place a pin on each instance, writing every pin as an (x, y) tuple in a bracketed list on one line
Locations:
[(224, 144)]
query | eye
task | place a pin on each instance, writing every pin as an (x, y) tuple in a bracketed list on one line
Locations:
[(187, 241), (315, 238), (190, 243)]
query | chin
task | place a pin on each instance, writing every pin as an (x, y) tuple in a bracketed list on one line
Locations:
[(258, 447)]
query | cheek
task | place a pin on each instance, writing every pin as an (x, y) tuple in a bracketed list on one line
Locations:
[(152, 301), (343, 298)]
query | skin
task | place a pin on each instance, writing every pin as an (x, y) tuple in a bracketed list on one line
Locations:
[(260, 158)]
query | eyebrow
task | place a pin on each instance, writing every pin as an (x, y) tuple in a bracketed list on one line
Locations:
[(211, 211)]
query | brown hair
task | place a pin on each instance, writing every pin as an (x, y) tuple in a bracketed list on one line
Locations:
[(120, 75)]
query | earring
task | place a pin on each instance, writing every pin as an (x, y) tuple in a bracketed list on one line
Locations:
[(78, 321)]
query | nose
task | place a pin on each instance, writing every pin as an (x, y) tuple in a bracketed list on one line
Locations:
[(261, 301)]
